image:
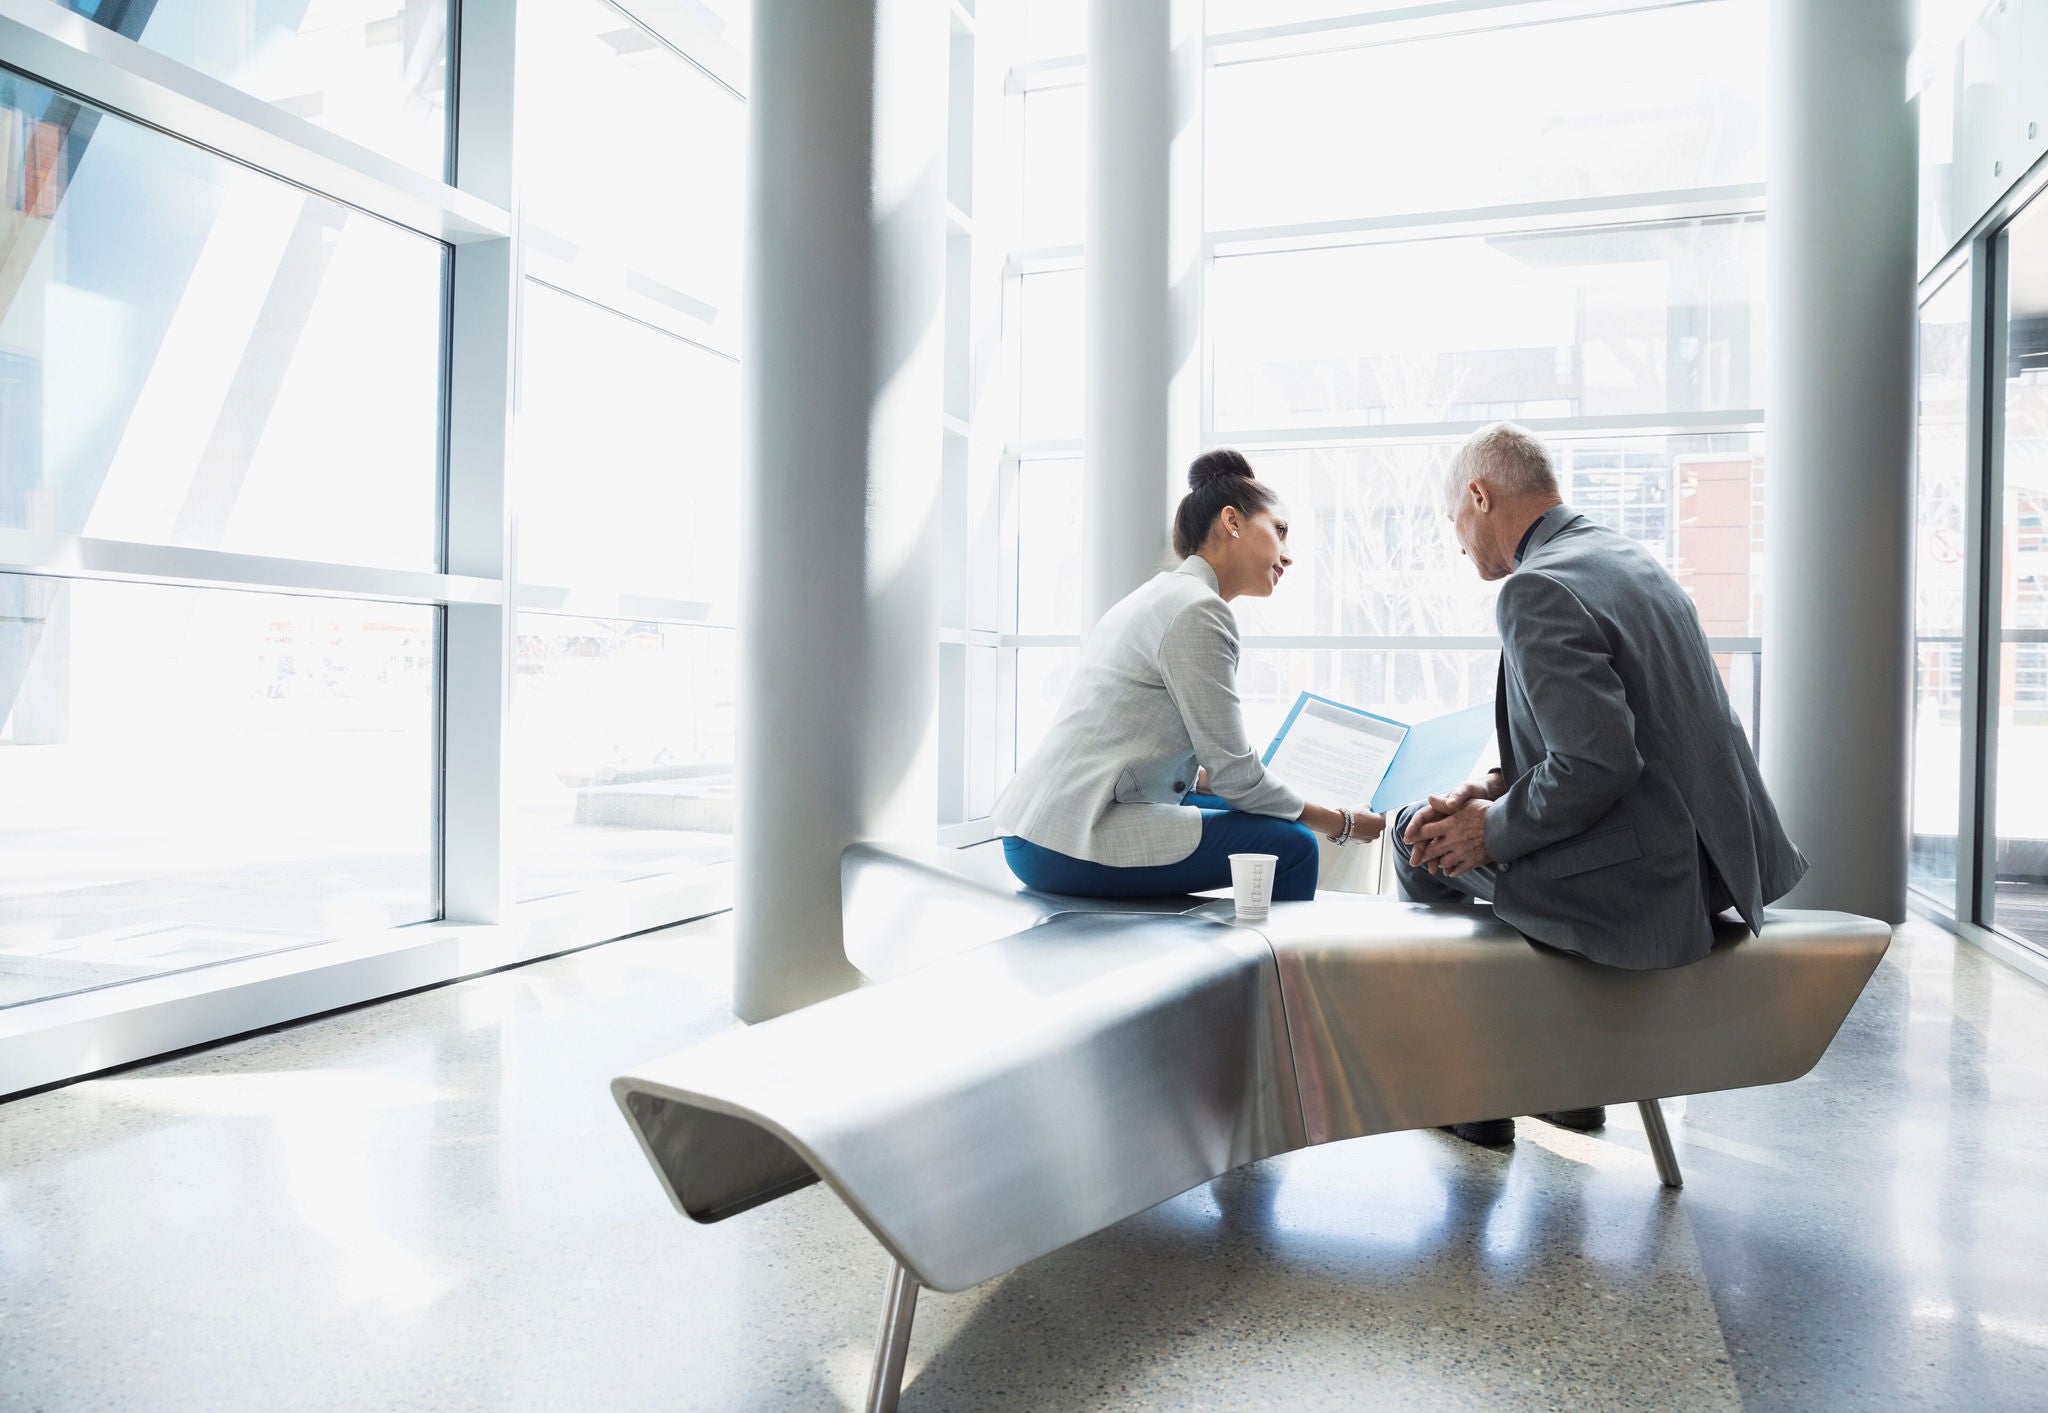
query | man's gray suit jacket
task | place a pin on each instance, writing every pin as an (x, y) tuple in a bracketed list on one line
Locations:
[(1630, 777)]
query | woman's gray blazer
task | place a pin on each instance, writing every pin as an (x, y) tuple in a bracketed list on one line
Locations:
[(1155, 693)]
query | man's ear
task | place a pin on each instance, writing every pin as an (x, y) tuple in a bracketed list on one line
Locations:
[(1481, 501)]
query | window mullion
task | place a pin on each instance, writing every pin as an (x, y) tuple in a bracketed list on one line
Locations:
[(482, 330)]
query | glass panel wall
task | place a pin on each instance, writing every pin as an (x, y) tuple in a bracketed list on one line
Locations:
[(623, 751), (1367, 302), (1043, 675), (1370, 530), (1039, 232), (1052, 29), (621, 746), (1660, 99), (1049, 570), (595, 88), (629, 456), (1049, 320), (1601, 323), (229, 649), (191, 776), (1224, 16), (374, 71), (195, 354), (1055, 166), (198, 358), (1371, 301), (1408, 684), (1940, 543), (2018, 678)]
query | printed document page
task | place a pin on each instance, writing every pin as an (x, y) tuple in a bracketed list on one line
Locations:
[(1332, 754)]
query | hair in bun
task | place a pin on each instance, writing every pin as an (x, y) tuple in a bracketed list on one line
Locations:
[(1216, 465), (1215, 479)]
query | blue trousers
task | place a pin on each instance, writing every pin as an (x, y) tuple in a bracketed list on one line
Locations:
[(1225, 831)]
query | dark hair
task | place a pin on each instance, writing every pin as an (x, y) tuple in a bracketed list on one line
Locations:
[(1216, 479)]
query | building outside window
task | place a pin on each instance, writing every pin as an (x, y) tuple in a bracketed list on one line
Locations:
[(1628, 493)]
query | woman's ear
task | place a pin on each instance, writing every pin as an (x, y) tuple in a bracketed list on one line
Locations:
[(1230, 520)]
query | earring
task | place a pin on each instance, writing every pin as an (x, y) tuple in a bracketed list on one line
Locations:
[(1233, 534)]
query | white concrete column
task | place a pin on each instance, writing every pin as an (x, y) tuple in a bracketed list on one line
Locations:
[(845, 262), (1126, 360), (1839, 399), (1187, 224)]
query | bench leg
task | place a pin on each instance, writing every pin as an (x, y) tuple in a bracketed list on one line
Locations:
[(1660, 1143), (892, 1343)]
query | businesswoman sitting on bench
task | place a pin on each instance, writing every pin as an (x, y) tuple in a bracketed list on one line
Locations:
[(1103, 808)]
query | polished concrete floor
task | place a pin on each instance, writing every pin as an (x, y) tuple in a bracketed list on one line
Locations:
[(431, 1204)]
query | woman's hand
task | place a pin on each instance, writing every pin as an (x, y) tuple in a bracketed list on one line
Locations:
[(1365, 825), (1201, 780)]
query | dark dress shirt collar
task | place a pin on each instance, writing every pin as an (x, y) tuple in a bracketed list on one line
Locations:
[(1529, 534)]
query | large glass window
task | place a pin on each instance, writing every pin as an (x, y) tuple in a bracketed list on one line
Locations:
[(629, 456), (234, 481), (1376, 557), (595, 89), (1049, 569), (374, 71), (1225, 16), (622, 751), (2019, 675), (1049, 321), (191, 776), (195, 354), (1055, 166), (1374, 553), (1052, 29), (986, 756), (622, 754), (1382, 284), (1377, 285), (1043, 675), (1940, 541), (1651, 100), (1614, 322), (1409, 684)]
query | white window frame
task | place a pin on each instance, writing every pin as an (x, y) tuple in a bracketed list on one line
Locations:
[(1257, 45), (475, 595)]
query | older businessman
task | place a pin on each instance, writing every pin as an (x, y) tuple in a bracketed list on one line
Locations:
[(1628, 808)]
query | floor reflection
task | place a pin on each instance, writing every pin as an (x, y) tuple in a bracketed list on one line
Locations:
[(432, 1203)]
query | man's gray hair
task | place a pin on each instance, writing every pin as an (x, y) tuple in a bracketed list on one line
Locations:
[(1511, 459)]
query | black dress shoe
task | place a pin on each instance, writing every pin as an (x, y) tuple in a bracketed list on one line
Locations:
[(1584, 1120), (1487, 1133)]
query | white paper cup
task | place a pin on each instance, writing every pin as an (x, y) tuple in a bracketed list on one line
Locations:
[(1251, 881)]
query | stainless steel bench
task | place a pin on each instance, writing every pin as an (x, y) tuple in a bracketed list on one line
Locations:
[(906, 906), (1096, 1063)]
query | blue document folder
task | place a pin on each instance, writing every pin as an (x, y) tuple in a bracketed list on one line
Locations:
[(1351, 748)]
